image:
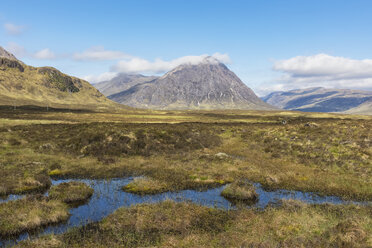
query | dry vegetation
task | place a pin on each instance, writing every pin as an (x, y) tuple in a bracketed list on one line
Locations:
[(240, 191), (145, 186), (71, 192), (323, 153), (30, 213), (170, 224)]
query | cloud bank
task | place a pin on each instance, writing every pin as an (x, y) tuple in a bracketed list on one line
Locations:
[(325, 66), (321, 70), (100, 78)]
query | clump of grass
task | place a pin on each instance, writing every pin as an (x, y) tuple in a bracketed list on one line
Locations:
[(71, 192), (30, 213), (240, 191), (145, 185)]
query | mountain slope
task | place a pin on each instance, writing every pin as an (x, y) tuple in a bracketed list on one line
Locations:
[(318, 99), (121, 82), (21, 84), (5, 54), (363, 109), (208, 85)]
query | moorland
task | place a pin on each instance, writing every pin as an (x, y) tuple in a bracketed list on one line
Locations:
[(165, 151)]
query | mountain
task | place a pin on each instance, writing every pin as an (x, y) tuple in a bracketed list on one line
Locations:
[(319, 99), (363, 109), (207, 85), (121, 82), (21, 84)]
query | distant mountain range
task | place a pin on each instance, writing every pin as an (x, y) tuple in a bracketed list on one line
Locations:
[(322, 100), (207, 85), (121, 83), (21, 84)]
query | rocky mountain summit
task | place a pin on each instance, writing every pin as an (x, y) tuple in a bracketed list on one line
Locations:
[(207, 85)]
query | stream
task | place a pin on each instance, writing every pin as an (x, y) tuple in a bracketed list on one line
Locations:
[(108, 197)]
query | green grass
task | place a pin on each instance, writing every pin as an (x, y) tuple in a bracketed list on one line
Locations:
[(71, 192)]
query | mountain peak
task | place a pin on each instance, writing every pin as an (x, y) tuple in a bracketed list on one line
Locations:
[(5, 54), (208, 84), (210, 60)]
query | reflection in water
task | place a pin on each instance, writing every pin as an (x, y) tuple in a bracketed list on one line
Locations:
[(108, 197)]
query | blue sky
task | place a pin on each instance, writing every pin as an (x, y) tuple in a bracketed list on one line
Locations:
[(270, 45)]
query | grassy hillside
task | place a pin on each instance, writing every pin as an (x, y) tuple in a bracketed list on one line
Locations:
[(21, 84)]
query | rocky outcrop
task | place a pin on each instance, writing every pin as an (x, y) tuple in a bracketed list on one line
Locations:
[(10, 63)]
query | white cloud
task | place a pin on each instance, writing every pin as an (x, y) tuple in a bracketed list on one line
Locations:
[(139, 65), (20, 52), (100, 78), (13, 29), (99, 53), (44, 54), (17, 50), (323, 65), (321, 70)]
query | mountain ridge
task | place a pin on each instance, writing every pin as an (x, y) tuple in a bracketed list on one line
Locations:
[(121, 82), (319, 99)]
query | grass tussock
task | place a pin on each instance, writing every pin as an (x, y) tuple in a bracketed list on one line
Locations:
[(145, 185), (170, 224), (29, 214), (71, 192), (240, 191)]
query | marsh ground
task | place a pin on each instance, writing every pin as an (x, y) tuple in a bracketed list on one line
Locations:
[(324, 153)]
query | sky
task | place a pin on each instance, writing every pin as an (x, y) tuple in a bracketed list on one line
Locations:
[(270, 44)]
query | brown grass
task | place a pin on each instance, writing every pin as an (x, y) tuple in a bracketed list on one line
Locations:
[(29, 214), (170, 224), (71, 192)]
